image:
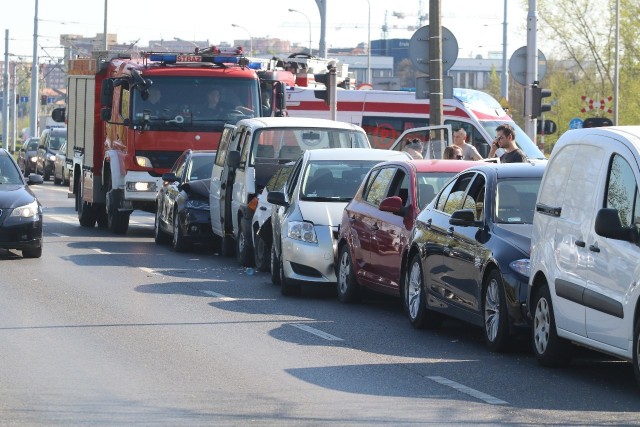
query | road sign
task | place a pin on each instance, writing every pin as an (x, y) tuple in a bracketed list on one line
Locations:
[(575, 123), (419, 49), (518, 65)]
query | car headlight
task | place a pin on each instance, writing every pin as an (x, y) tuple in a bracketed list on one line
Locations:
[(34, 159), (197, 204), (304, 231), (522, 266), (52, 157), (26, 211)]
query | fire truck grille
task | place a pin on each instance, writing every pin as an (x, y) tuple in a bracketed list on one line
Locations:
[(160, 159)]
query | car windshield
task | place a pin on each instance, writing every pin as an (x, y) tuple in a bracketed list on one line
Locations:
[(57, 139), (9, 173), (334, 180), (190, 104), (33, 145), (429, 184), (516, 200), (289, 143), (201, 167)]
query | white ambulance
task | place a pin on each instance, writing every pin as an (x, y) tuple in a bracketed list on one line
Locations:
[(385, 115)]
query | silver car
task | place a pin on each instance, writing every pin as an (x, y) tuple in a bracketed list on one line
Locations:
[(308, 211)]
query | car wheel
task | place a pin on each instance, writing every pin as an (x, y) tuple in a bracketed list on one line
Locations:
[(46, 174), (86, 212), (287, 288), (496, 317), (261, 253), (56, 180), (415, 298), (275, 266), (548, 347), (118, 222), (227, 246), (348, 290), (178, 242), (244, 247), (636, 351), (158, 234), (32, 252)]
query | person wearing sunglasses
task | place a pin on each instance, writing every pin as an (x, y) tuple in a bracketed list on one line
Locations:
[(452, 152), (506, 139)]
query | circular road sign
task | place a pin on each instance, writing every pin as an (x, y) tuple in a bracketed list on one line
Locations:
[(419, 49), (575, 123), (518, 65)]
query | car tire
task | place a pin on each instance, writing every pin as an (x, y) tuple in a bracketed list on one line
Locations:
[(262, 253), (275, 267), (86, 212), (287, 287), (347, 285), (46, 175), (244, 246), (415, 298), (549, 349), (56, 180), (495, 314), (636, 351), (227, 246), (118, 222), (32, 252), (178, 241), (159, 235)]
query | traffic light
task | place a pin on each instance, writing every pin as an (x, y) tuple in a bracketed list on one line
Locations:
[(43, 99), (328, 79), (548, 128), (537, 107)]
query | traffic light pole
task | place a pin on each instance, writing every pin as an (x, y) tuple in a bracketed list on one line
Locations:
[(5, 93), (530, 121)]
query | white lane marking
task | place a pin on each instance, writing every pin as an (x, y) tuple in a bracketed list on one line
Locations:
[(316, 332), (70, 219), (59, 235), (468, 390), (100, 251), (150, 271), (219, 296)]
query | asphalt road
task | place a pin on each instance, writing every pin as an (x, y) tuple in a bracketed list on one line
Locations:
[(116, 330)]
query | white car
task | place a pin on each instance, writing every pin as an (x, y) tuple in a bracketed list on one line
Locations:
[(585, 253), (309, 210)]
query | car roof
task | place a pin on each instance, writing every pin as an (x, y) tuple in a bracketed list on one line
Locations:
[(353, 154), (264, 122), (513, 170), (437, 165)]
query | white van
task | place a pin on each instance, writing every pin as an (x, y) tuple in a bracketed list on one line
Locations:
[(249, 153), (585, 254)]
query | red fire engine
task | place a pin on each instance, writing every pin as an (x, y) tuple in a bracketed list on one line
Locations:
[(129, 120)]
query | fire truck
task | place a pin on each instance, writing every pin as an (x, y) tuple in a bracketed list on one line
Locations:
[(129, 119), (385, 115)]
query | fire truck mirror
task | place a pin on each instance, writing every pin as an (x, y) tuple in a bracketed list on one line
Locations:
[(58, 114), (105, 114), (106, 92)]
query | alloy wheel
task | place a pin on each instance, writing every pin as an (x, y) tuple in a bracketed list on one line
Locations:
[(492, 310), (541, 326), (413, 290)]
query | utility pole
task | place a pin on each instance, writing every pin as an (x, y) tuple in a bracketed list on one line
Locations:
[(530, 121), (435, 65), (322, 7), (5, 92), (504, 87), (33, 125)]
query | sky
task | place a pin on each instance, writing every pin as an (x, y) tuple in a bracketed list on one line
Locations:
[(476, 25)]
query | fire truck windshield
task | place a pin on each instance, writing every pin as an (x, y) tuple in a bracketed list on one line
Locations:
[(195, 103)]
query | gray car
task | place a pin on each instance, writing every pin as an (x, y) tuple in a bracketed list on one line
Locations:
[(308, 211)]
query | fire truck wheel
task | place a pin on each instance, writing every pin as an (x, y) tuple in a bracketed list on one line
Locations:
[(101, 217), (118, 222), (86, 212)]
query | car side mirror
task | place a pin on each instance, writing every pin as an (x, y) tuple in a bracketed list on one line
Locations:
[(277, 198), (608, 225), (463, 217), (392, 204)]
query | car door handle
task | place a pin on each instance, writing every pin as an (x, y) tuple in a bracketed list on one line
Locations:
[(594, 248), (263, 208), (450, 231), (580, 243)]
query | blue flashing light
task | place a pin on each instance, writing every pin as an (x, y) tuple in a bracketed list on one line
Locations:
[(162, 57), (226, 59), (256, 65)]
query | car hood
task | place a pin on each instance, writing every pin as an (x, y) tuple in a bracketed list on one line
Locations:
[(13, 196), (322, 213), (519, 235), (198, 188)]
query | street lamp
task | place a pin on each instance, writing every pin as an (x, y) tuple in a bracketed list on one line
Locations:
[(248, 33), (309, 21)]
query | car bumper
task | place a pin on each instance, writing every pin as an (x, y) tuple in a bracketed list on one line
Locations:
[(516, 287), (196, 225), (21, 236), (310, 262)]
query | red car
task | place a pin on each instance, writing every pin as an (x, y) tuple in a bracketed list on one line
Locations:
[(376, 225)]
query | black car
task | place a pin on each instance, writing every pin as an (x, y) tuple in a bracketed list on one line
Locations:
[(20, 210), (51, 141), (469, 253), (28, 156), (182, 206)]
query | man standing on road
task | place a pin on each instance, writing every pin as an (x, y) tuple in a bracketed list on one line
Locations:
[(469, 152), (506, 139)]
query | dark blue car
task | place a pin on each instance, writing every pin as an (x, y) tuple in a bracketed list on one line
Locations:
[(20, 210), (469, 255)]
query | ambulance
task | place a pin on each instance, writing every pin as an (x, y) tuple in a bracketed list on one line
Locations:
[(385, 115)]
